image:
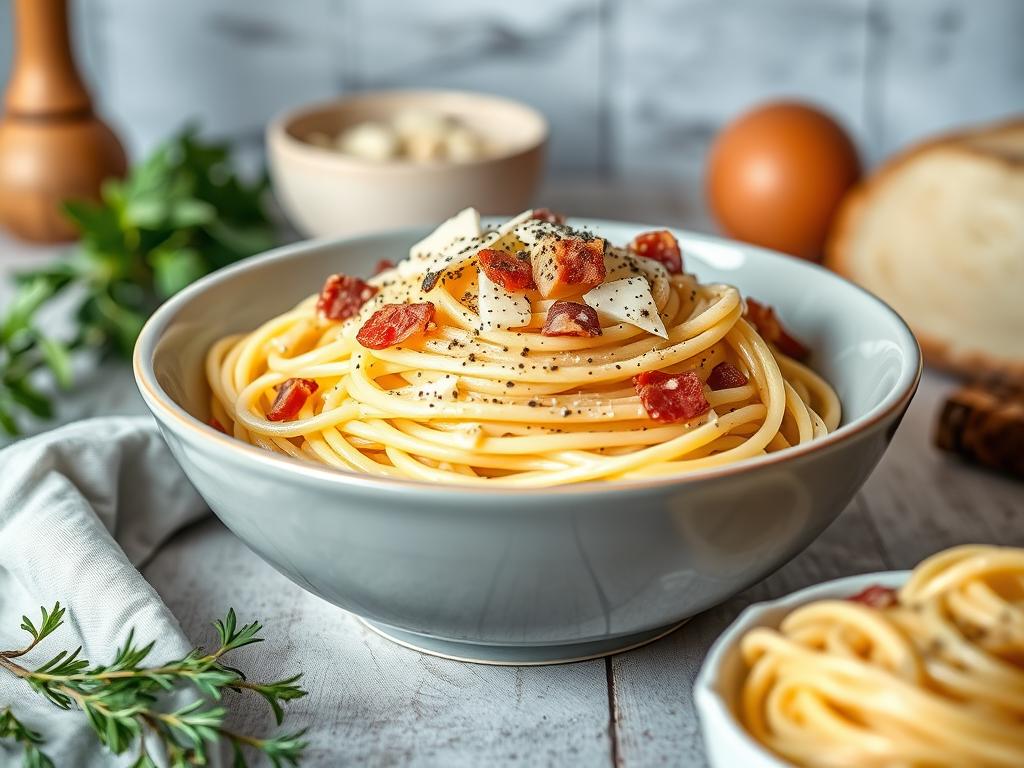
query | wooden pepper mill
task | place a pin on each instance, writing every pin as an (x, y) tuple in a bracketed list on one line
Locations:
[(52, 147)]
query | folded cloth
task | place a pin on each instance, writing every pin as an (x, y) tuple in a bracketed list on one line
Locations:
[(81, 509)]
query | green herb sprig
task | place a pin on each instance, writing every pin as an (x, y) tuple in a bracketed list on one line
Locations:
[(121, 700), (179, 215)]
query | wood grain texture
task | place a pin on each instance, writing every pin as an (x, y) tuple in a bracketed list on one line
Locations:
[(377, 704), (916, 503), (922, 500), (373, 702)]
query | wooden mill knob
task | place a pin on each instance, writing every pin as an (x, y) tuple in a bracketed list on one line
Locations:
[(52, 147)]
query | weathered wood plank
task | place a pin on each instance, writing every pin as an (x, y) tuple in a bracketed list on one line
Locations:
[(655, 720), (916, 503), (372, 702), (922, 500)]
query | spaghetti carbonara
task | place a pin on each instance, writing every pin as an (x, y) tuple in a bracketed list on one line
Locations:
[(531, 354), (929, 675)]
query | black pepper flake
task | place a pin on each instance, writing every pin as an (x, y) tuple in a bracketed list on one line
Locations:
[(430, 281)]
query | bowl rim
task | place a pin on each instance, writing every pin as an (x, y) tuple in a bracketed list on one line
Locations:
[(165, 409), (278, 132), (712, 709)]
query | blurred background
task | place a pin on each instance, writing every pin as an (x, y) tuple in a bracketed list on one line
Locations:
[(661, 111), (634, 90)]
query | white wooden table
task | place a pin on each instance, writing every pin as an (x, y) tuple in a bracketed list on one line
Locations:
[(378, 704)]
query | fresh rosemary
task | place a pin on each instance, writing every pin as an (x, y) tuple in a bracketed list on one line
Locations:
[(121, 700), (180, 214)]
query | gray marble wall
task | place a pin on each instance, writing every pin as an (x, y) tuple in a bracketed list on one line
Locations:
[(632, 87)]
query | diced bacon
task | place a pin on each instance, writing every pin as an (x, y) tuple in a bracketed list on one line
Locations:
[(763, 317), (383, 266), (511, 272), (546, 214), (394, 323), (566, 266), (726, 376), (571, 318), (215, 423), (876, 596), (671, 397), (343, 296), (660, 245), (291, 396)]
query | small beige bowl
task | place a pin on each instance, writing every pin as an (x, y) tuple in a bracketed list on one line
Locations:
[(326, 193)]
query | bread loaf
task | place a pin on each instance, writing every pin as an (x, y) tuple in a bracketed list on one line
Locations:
[(938, 233)]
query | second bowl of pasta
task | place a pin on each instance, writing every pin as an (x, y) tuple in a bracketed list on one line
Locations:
[(909, 668)]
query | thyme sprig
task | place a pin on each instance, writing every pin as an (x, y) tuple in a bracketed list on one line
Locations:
[(122, 700), (181, 213)]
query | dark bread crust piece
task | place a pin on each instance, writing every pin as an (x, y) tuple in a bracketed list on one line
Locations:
[(984, 423)]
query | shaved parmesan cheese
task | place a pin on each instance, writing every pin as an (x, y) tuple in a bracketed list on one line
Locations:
[(462, 249), (465, 225), (628, 300), (620, 263), (499, 309), (532, 231), (512, 225)]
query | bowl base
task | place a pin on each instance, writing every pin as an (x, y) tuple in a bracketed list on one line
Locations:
[(518, 655)]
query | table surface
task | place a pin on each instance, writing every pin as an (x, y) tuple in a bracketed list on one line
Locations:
[(375, 703)]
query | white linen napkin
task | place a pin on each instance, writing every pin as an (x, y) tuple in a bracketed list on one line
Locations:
[(81, 509)]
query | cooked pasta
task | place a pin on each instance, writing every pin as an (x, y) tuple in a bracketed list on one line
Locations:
[(518, 365), (931, 675)]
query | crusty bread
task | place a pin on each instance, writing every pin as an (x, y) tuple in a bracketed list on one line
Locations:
[(984, 422), (938, 233)]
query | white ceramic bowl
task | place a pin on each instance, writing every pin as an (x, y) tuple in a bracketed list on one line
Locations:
[(716, 690), (328, 193), (530, 575)]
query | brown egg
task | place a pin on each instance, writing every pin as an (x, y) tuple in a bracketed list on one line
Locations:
[(776, 175)]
